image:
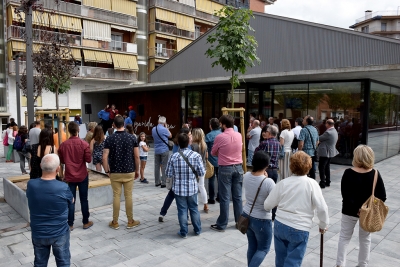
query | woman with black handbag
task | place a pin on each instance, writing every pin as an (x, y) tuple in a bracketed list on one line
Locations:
[(257, 187)]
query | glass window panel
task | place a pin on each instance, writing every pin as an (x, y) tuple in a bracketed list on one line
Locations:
[(343, 102), (393, 124), (379, 123), (266, 108), (195, 104), (254, 97)]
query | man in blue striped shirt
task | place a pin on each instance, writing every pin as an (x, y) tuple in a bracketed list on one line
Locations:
[(185, 184)]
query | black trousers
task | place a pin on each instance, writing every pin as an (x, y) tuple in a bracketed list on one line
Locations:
[(311, 172), (324, 168)]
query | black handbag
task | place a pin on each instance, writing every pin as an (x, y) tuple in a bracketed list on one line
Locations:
[(316, 156), (243, 223)]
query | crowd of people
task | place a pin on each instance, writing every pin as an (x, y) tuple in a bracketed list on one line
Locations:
[(281, 192)]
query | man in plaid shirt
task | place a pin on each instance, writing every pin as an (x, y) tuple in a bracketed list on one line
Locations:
[(272, 146), (185, 184)]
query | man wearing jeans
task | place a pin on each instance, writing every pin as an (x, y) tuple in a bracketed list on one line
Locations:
[(185, 185), (121, 163), (48, 201), (228, 147), (253, 135), (160, 135), (210, 137), (74, 153)]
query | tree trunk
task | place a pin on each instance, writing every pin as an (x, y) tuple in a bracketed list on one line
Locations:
[(232, 92)]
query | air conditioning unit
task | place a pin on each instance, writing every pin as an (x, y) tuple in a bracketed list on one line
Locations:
[(172, 41)]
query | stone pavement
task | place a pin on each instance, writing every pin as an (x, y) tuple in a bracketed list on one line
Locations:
[(157, 244)]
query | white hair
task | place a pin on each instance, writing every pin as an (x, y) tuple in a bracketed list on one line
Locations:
[(162, 119), (50, 163)]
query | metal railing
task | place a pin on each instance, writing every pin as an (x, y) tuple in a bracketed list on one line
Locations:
[(173, 5), (376, 28), (161, 52), (62, 7), (104, 73), (171, 29), (379, 13), (110, 16), (44, 36), (207, 16), (123, 47)]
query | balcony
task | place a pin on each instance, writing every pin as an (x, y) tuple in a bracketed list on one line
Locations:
[(378, 13), (170, 29), (161, 52), (85, 72), (206, 16), (173, 5), (109, 16), (111, 46), (63, 7), (238, 3), (44, 36), (374, 29), (104, 73)]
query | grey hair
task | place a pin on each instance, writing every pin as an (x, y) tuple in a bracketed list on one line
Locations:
[(273, 130), (50, 162), (162, 119)]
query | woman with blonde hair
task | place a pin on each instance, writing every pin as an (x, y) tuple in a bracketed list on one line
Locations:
[(286, 140), (357, 183), (89, 134), (199, 145), (97, 146)]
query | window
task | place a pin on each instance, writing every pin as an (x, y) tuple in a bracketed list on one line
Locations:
[(4, 122), (383, 26), (197, 32), (365, 29), (116, 41), (161, 48)]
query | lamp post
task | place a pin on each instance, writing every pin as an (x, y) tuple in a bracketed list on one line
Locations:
[(17, 90), (29, 64)]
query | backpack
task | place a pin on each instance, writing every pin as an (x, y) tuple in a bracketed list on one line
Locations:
[(18, 145), (295, 143)]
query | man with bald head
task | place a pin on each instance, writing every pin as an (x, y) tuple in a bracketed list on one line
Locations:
[(326, 151), (253, 135)]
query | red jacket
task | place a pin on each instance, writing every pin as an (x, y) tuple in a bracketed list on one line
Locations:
[(74, 153), (112, 114)]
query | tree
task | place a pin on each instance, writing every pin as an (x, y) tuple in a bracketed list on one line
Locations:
[(231, 45)]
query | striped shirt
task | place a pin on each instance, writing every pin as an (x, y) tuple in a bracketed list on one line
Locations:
[(185, 183), (272, 147)]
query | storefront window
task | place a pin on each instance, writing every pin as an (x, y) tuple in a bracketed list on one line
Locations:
[(383, 130), (195, 111)]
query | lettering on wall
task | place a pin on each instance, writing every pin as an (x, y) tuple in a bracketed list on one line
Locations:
[(147, 124)]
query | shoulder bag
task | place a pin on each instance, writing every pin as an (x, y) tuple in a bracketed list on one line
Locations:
[(316, 157), (168, 144), (373, 212), (190, 165), (209, 170), (243, 223)]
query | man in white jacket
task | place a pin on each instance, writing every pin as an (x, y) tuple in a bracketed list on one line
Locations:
[(296, 198)]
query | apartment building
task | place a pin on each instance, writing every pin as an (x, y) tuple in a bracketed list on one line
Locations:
[(383, 23), (114, 42)]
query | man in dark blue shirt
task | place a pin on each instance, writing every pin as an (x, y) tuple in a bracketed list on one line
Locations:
[(121, 163), (48, 201)]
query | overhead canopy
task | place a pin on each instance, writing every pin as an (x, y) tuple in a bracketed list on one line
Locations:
[(96, 31), (124, 6), (165, 15), (103, 4), (181, 43), (123, 28), (184, 22), (97, 56), (76, 53), (65, 22), (166, 36), (125, 62)]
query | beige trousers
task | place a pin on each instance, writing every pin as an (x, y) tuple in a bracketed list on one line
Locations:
[(117, 181)]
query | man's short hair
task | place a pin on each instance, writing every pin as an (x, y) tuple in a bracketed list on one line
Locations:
[(260, 161), (273, 130), (119, 121), (73, 128), (48, 126), (309, 120), (227, 120), (299, 121), (50, 163), (162, 119), (214, 123), (36, 123), (183, 140)]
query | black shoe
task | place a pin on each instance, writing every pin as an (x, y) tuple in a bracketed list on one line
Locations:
[(158, 184), (210, 201), (163, 186), (328, 184), (216, 228), (161, 218), (322, 186), (217, 199)]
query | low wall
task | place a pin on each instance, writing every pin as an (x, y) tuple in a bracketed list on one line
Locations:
[(100, 194)]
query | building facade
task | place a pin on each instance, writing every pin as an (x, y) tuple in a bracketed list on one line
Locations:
[(383, 23)]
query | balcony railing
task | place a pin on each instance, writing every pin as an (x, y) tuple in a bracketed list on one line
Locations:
[(44, 36), (112, 46), (62, 7), (104, 73), (173, 5), (207, 16), (110, 16), (85, 72), (161, 52), (377, 28), (171, 29), (378, 13)]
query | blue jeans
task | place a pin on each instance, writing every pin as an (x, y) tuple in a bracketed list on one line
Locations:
[(167, 202), (83, 197), (250, 154), (183, 204), (230, 179), (160, 160), (290, 245), (211, 185), (60, 245), (259, 236)]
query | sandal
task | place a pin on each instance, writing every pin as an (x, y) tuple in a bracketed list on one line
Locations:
[(206, 209)]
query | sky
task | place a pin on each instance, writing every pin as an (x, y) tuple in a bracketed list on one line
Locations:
[(338, 13)]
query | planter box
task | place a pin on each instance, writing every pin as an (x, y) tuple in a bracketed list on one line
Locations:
[(100, 194)]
